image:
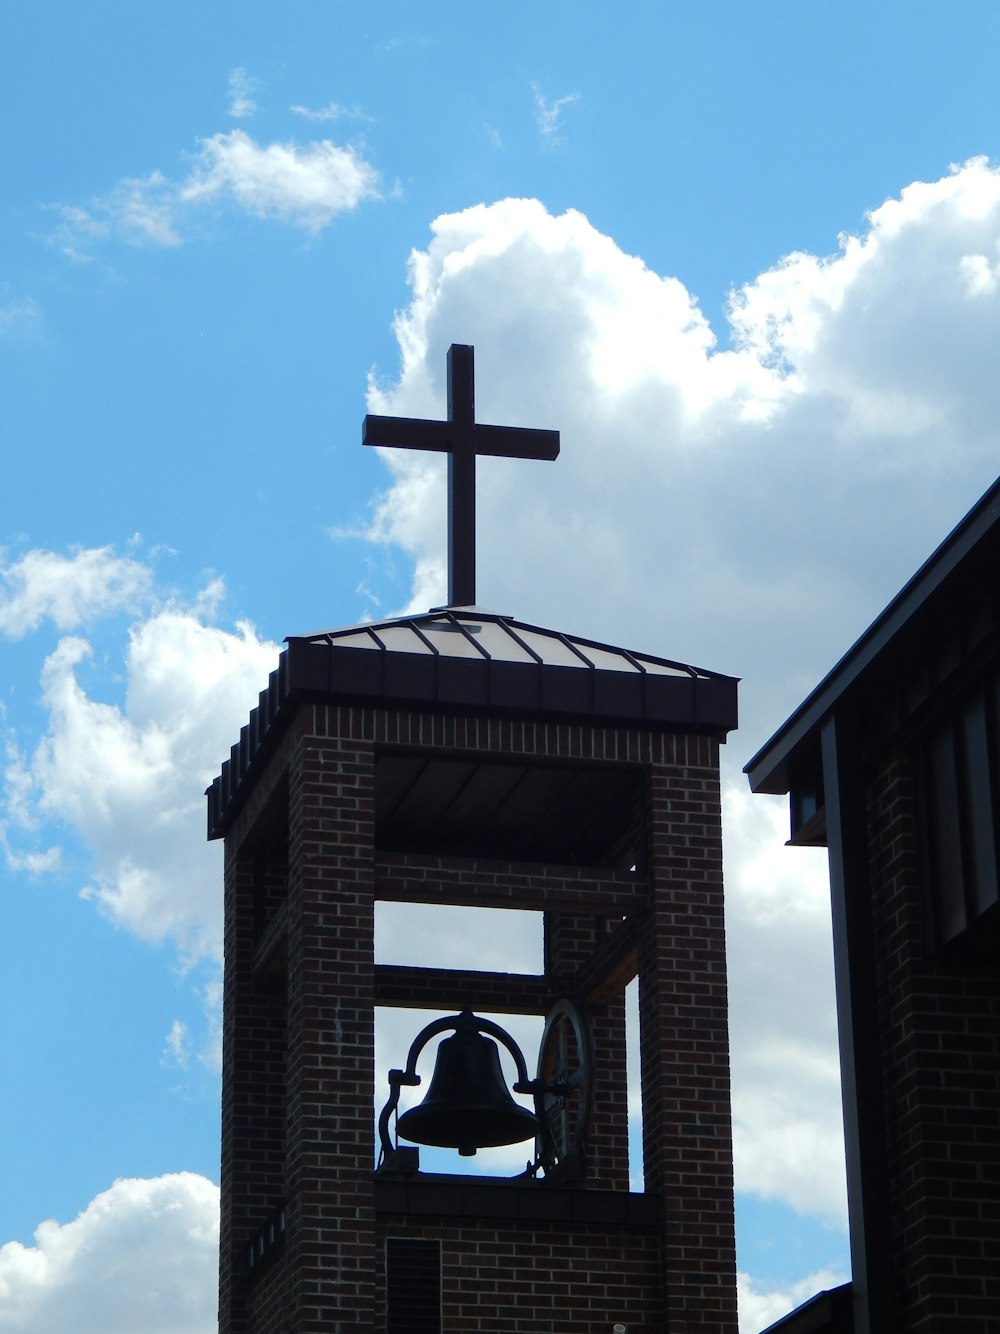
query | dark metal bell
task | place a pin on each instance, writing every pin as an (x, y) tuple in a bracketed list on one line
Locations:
[(468, 1105)]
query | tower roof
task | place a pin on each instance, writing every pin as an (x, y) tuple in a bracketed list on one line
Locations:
[(463, 659)]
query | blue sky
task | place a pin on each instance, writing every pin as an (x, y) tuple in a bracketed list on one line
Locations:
[(745, 258)]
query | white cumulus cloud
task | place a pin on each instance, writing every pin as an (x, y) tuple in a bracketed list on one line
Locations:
[(69, 590), (306, 186), (759, 498), (745, 504), (141, 1256), (129, 777)]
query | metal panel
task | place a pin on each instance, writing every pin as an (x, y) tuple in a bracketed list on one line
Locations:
[(412, 1285), (944, 835), (960, 791), (980, 803)]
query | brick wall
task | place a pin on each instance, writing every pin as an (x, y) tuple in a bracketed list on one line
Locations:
[(683, 1017), (569, 941), (300, 996), (540, 1279), (939, 1030)]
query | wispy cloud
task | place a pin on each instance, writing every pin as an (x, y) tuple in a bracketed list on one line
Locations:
[(175, 1049), (548, 115), (17, 315), (332, 111), (242, 86), (306, 185), (138, 211)]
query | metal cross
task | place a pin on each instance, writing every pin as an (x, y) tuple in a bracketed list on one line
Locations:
[(461, 438)]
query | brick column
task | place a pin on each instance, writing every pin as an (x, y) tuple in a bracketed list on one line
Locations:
[(684, 1041), (253, 1075), (330, 1148), (570, 941)]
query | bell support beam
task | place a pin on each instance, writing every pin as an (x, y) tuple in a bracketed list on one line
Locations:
[(408, 987), (480, 883), (611, 967)]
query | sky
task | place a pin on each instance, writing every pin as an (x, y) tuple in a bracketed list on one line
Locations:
[(746, 258)]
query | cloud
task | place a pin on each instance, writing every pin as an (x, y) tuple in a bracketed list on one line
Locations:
[(760, 1308), (332, 111), (306, 185), (175, 1048), (138, 211), (752, 504), (69, 590), (548, 115), (129, 778), (241, 89), (142, 1255), (746, 503), (18, 315), (787, 1120)]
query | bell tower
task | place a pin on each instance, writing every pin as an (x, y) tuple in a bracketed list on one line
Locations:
[(463, 757)]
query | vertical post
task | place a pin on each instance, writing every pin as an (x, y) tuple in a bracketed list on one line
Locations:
[(331, 1056), (462, 477), (570, 941), (684, 1040), (858, 1023), (253, 1076)]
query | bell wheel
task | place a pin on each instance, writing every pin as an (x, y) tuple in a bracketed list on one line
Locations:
[(565, 1093)]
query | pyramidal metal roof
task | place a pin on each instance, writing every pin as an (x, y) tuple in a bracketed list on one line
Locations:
[(469, 659)]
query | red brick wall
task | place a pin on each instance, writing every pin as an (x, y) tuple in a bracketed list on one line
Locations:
[(939, 1029)]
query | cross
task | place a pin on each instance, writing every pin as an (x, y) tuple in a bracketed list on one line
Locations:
[(461, 438)]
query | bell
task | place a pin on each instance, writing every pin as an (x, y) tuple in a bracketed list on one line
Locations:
[(468, 1105)]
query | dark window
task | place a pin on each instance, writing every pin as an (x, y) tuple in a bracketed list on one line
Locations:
[(412, 1286), (960, 804)]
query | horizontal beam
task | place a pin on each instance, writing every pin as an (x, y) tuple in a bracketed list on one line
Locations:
[(501, 442), (611, 967), (481, 883), (456, 989)]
